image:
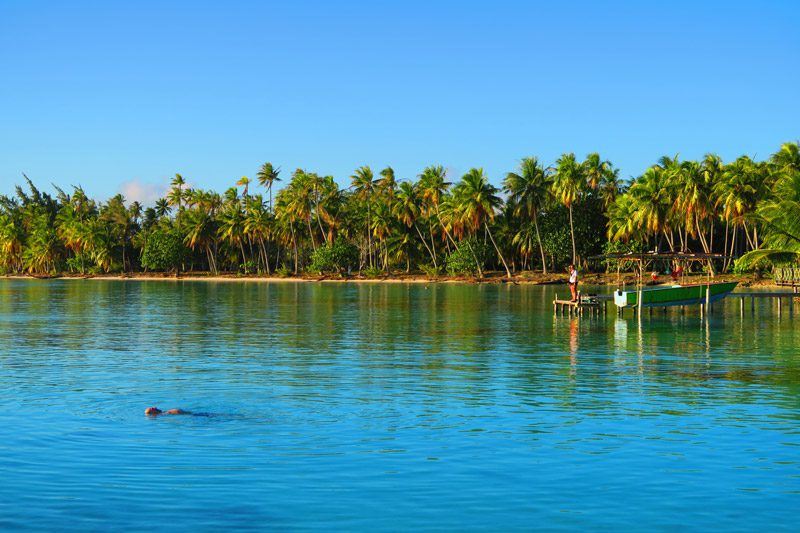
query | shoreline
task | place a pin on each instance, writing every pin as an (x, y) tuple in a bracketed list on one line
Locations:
[(528, 278)]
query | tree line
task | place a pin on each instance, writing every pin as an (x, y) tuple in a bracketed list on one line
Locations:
[(542, 218)]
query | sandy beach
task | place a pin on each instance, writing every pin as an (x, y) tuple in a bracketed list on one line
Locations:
[(526, 278)]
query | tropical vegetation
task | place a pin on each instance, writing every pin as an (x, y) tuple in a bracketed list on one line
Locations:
[(539, 218)]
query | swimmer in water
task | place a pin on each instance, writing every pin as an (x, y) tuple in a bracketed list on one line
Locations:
[(155, 411)]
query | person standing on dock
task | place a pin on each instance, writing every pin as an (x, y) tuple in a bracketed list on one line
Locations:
[(573, 282)]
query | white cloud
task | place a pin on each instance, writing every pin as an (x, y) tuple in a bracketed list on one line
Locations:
[(144, 192)]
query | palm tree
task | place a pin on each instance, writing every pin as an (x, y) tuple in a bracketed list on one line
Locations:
[(529, 191), (162, 208), (387, 184), (595, 170), (787, 159), (432, 189), (364, 186), (286, 216), (610, 187), (652, 203), (568, 184), (201, 231), (176, 196), (267, 175), (244, 181), (623, 219), (478, 202), (258, 227), (407, 210), (231, 228), (737, 192), (780, 217)]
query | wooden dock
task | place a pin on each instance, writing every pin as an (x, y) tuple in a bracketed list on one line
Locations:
[(594, 305), (597, 304)]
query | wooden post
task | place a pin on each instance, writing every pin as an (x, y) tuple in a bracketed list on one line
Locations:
[(780, 306), (702, 310), (753, 305), (741, 306), (640, 300)]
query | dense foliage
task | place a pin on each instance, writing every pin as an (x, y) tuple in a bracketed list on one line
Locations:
[(163, 250), (338, 256), (542, 218)]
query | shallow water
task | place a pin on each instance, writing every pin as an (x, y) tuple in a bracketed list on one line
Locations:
[(388, 407)]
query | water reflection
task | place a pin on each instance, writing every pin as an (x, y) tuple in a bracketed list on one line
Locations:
[(350, 398)]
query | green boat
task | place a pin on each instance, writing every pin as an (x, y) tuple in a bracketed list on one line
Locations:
[(670, 295)]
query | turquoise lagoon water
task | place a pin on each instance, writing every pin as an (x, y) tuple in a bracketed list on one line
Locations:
[(388, 407)]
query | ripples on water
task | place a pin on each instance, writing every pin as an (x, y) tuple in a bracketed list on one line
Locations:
[(385, 407)]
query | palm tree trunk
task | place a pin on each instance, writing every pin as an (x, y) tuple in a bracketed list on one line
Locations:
[(539, 239), (369, 233), (433, 256), (266, 254), (491, 238), (475, 257), (324, 235), (725, 248), (572, 234), (294, 245), (311, 233), (244, 256), (270, 196), (433, 243), (747, 236)]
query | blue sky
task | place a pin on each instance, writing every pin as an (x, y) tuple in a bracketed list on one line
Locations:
[(119, 96)]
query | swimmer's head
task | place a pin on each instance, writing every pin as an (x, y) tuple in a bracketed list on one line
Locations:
[(152, 411)]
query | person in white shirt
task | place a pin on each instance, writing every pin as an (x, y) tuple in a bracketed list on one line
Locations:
[(573, 282)]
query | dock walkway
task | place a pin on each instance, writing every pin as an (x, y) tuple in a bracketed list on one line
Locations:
[(597, 303)]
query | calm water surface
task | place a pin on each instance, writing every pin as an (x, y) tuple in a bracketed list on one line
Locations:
[(388, 407)]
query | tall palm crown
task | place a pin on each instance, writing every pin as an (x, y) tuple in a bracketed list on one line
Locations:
[(388, 183), (787, 159), (568, 180), (363, 182), (568, 185), (267, 175), (476, 198), (595, 170), (176, 194), (406, 208), (477, 202), (244, 181), (652, 200), (529, 191), (432, 184)]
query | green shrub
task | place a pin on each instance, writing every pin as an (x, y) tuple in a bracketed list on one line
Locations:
[(373, 272), (283, 271), (432, 271), (760, 266), (163, 250), (250, 267), (462, 261), (338, 256)]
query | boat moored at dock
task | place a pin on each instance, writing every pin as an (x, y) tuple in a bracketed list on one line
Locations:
[(671, 295)]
